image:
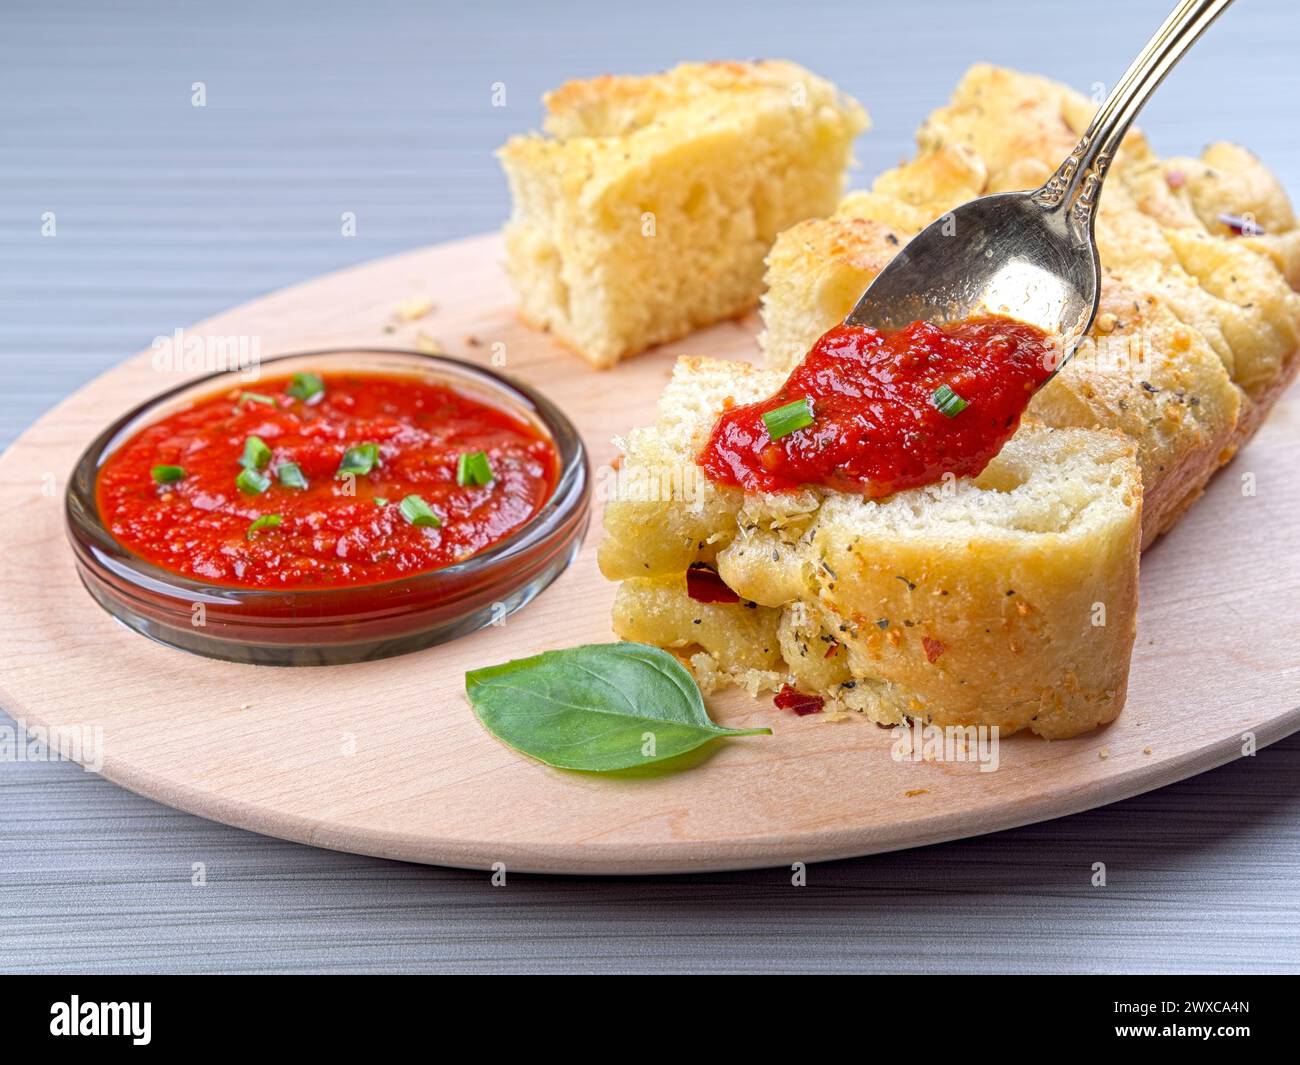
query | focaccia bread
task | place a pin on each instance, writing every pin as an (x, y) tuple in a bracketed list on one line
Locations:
[(1199, 325), (647, 210), (1009, 599)]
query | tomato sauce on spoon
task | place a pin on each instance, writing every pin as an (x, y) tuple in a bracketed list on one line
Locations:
[(874, 413)]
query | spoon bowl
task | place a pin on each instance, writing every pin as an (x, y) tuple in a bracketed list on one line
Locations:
[(998, 255), (1032, 255)]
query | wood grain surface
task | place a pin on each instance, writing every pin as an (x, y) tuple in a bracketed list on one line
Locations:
[(385, 758), (168, 213)]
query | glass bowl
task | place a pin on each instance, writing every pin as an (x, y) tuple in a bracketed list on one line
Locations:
[(335, 625)]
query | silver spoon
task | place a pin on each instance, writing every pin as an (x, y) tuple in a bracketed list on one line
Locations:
[(1030, 255)]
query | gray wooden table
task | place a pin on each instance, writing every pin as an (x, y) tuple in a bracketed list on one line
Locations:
[(165, 212)]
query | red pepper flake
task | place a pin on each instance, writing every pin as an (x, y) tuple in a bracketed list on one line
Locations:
[(933, 648), (833, 650), (789, 698), (705, 586), (1242, 225), (1175, 179)]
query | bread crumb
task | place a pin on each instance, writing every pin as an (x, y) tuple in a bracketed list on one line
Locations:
[(413, 310), (1146, 750), (913, 792), (1104, 753), (426, 345)]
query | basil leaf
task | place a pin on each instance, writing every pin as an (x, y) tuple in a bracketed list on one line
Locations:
[(598, 707)]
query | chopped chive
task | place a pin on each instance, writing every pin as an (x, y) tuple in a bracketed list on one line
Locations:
[(256, 454), (252, 482), (418, 512), (949, 403), (306, 386), (167, 474), (290, 475), (256, 397), (785, 420), (473, 468), (358, 460), (381, 501), (266, 521)]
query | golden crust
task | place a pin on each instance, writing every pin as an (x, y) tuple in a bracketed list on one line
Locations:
[(801, 300), (647, 211), (614, 105), (1144, 373)]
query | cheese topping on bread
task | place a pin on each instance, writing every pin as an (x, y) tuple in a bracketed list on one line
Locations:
[(647, 210)]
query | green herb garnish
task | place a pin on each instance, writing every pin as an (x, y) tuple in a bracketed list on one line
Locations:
[(358, 460), (266, 521), (473, 468), (290, 475), (256, 454), (785, 420), (256, 397), (381, 501), (949, 403), (418, 512), (597, 708), (252, 482), (306, 387), (167, 474)]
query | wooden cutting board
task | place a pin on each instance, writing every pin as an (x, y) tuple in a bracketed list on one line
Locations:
[(386, 758)]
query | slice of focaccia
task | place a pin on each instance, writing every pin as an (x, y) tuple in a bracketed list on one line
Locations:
[(1008, 599), (1199, 325), (647, 210)]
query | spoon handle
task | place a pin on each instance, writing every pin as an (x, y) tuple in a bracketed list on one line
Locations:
[(1076, 185)]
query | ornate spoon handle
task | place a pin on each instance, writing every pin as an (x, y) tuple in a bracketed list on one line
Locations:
[(1077, 182)]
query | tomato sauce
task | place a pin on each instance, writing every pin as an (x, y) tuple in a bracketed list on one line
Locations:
[(352, 479), (874, 413)]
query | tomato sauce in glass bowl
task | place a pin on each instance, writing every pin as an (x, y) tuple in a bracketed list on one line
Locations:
[(344, 505), (325, 481)]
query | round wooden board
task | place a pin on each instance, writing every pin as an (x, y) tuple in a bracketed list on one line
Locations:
[(385, 758)]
